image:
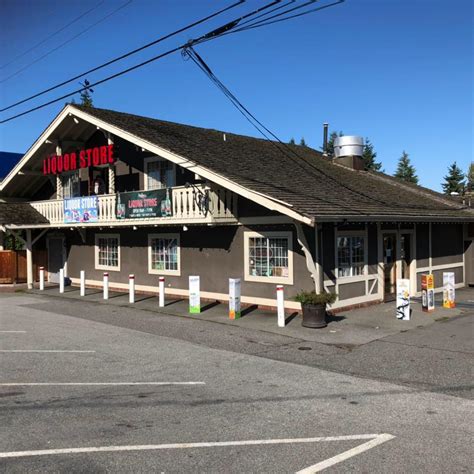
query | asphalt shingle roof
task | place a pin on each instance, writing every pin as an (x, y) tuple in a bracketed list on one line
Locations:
[(20, 213), (303, 178)]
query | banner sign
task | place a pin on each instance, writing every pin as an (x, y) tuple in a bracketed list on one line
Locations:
[(81, 209), (144, 204), (234, 298), (194, 295), (403, 299), (99, 155), (448, 290), (427, 293)]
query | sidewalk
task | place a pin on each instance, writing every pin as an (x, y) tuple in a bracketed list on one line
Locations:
[(351, 328)]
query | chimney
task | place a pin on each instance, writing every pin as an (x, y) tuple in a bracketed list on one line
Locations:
[(348, 152), (325, 138)]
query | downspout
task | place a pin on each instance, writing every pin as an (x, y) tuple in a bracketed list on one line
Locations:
[(314, 269)]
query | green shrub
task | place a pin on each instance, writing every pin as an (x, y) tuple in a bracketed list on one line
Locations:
[(311, 297)]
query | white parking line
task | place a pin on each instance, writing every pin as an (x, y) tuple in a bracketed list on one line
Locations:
[(44, 350), (11, 332), (382, 438), (86, 384), (376, 439)]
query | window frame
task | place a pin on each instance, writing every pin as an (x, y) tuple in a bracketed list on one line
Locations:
[(97, 265), (348, 233), (153, 159), (153, 271), (288, 235)]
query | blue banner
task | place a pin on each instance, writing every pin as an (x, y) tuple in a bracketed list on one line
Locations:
[(81, 209)]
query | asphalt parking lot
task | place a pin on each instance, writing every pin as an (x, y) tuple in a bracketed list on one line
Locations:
[(78, 395)]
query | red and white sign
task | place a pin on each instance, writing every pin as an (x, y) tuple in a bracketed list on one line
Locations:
[(96, 156)]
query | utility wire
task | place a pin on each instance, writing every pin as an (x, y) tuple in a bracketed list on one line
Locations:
[(216, 33), (281, 146), (66, 42), (123, 56), (82, 15), (212, 34)]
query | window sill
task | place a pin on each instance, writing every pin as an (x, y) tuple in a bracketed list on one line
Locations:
[(271, 280), (164, 272)]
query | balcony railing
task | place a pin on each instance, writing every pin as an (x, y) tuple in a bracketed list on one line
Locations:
[(196, 204)]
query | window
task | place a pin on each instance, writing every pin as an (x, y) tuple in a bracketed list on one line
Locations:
[(350, 256), (269, 257), (163, 254), (159, 173), (71, 185), (107, 252)]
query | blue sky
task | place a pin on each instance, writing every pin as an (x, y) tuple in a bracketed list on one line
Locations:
[(396, 71)]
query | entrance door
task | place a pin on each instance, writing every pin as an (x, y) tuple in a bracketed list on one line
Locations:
[(55, 257), (390, 265), (405, 254)]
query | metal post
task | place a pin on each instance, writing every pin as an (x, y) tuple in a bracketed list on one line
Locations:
[(29, 260), (106, 286), (161, 289), (131, 284), (280, 306), (83, 283), (41, 278), (61, 280)]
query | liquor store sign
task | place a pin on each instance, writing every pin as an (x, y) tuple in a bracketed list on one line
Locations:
[(144, 204), (96, 156)]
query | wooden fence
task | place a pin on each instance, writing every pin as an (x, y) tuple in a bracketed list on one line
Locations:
[(13, 265)]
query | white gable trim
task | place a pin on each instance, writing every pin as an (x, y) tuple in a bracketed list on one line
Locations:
[(259, 198)]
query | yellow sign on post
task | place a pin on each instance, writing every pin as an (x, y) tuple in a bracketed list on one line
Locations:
[(448, 290)]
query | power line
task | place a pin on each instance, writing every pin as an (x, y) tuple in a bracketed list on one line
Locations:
[(191, 53), (67, 41), (119, 58), (216, 33), (82, 15)]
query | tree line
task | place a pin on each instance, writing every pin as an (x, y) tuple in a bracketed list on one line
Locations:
[(455, 182)]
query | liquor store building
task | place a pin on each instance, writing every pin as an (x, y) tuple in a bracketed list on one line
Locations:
[(102, 190)]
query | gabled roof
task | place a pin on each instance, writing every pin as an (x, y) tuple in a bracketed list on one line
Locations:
[(300, 182)]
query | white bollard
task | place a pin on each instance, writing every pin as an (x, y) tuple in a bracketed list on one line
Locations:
[(106, 286), (131, 284), (280, 306), (41, 278), (61, 280), (161, 289), (83, 283)]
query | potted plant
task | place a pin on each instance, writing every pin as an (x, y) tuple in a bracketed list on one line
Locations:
[(314, 307)]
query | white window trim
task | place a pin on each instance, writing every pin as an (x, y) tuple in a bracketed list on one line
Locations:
[(266, 279), (365, 271), (164, 272), (96, 252), (152, 159)]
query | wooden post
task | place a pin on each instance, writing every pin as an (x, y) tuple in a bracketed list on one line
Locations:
[(280, 306), (131, 284), (29, 260), (161, 289)]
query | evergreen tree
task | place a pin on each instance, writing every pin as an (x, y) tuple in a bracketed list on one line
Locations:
[(86, 94), (470, 178), (405, 170), (302, 142), (292, 141), (369, 156), (332, 138), (454, 180)]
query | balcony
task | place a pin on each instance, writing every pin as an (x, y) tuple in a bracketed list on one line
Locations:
[(198, 204)]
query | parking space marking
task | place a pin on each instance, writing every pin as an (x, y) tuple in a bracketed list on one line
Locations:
[(45, 350), (381, 438), (87, 384), (12, 332), (375, 440)]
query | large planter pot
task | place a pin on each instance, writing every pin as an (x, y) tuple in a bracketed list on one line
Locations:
[(314, 315)]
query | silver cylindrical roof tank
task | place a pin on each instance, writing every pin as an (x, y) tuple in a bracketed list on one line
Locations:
[(348, 146)]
